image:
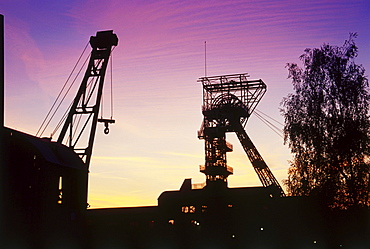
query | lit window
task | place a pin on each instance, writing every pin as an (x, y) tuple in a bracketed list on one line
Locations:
[(191, 209), (230, 205), (60, 197), (172, 222), (204, 208), (185, 209), (188, 209)]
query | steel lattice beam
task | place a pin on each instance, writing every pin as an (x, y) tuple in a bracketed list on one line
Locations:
[(228, 102), (84, 111)]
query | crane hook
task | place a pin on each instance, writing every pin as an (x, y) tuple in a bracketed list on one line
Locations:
[(106, 124)]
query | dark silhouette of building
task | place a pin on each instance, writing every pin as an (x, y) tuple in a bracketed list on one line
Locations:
[(44, 197), (228, 218), (216, 216), (44, 187)]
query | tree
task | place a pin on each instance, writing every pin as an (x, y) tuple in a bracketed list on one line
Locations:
[(327, 126)]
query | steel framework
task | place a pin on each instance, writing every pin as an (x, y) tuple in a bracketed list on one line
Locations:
[(228, 102), (86, 104)]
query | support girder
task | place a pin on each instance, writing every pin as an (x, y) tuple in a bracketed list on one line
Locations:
[(263, 171)]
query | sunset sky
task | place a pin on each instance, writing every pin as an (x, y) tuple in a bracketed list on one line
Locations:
[(160, 55)]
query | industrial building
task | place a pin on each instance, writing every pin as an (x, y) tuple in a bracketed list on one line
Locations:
[(44, 185)]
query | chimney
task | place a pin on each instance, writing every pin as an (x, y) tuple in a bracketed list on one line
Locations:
[(1, 71), (2, 161)]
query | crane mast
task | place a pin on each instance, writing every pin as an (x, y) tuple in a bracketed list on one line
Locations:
[(228, 102), (84, 110)]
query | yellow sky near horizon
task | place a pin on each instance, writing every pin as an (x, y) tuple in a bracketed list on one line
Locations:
[(153, 145)]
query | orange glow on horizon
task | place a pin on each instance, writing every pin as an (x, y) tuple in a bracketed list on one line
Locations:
[(153, 145)]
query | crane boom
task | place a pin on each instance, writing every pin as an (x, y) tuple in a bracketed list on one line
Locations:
[(86, 104)]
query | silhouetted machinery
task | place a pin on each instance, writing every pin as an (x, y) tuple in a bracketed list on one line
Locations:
[(228, 102), (216, 216), (44, 183), (86, 104), (223, 216)]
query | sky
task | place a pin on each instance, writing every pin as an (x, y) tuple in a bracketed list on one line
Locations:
[(153, 145)]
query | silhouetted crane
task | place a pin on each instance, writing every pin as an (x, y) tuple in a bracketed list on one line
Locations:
[(86, 104)]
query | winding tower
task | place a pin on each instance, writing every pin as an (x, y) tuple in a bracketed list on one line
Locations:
[(228, 102)]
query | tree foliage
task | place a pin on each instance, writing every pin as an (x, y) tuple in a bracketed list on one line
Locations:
[(327, 126)]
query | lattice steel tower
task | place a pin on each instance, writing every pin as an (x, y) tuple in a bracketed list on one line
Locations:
[(228, 102)]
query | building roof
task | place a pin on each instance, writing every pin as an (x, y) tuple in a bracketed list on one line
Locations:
[(52, 152)]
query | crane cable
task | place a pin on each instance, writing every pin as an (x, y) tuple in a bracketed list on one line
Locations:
[(265, 119), (111, 89), (64, 117), (90, 86), (111, 85), (48, 118)]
